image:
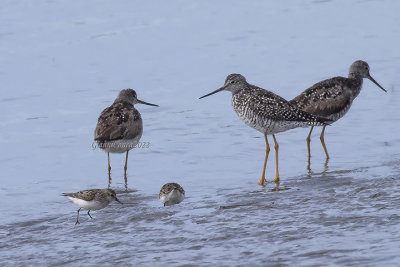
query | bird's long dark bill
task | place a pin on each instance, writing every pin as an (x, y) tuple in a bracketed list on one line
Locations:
[(116, 199), (375, 82), (216, 91), (145, 103)]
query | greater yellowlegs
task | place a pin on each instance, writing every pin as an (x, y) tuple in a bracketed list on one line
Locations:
[(120, 126), (171, 194), (265, 112), (332, 98), (93, 199)]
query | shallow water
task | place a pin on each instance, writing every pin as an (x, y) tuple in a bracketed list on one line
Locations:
[(63, 63)]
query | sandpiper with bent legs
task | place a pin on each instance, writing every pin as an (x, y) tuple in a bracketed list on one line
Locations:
[(92, 199)]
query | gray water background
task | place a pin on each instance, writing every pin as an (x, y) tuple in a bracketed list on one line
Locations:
[(62, 62)]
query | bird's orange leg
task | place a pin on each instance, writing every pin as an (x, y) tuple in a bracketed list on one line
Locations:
[(276, 160), (323, 142), (308, 142), (265, 161)]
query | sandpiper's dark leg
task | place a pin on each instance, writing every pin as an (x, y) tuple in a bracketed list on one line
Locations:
[(88, 213), (276, 160), (265, 161), (308, 142), (126, 163), (326, 165), (323, 141), (109, 170), (109, 166), (126, 182), (77, 217)]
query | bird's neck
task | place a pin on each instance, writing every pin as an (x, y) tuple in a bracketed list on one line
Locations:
[(242, 89), (236, 92), (122, 101), (357, 82), (355, 75)]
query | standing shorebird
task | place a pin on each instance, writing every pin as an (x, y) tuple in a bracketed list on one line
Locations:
[(332, 98), (171, 194), (120, 126), (93, 199), (265, 112)]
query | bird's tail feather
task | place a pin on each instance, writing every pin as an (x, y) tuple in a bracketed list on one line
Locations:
[(313, 120)]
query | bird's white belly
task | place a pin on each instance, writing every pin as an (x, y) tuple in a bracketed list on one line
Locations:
[(119, 146), (265, 125), (89, 205), (173, 197), (252, 123)]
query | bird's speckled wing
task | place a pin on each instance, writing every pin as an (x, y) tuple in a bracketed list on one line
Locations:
[(269, 105), (325, 98), (87, 195), (119, 121)]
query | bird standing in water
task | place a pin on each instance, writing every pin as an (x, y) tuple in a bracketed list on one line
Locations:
[(332, 98), (92, 199), (265, 112), (120, 126)]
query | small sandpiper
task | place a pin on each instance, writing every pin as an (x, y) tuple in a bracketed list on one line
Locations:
[(120, 126), (171, 194), (332, 98), (265, 112), (92, 199)]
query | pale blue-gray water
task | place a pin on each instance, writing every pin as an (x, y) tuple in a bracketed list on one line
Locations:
[(62, 62)]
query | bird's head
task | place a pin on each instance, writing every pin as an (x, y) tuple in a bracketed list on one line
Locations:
[(233, 83), (111, 196), (361, 69), (129, 95)]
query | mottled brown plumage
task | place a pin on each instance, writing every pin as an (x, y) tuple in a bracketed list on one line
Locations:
[(119, 121), (93, 194), (171, 194), (332, 98), (120, 126), (92, 199)]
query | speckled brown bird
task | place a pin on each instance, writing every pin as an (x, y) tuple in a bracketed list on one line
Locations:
[(92, 199), (265, 112), (171, 194), (120, 126), (332, 98)]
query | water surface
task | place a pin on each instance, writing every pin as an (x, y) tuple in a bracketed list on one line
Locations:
[(63, 63)]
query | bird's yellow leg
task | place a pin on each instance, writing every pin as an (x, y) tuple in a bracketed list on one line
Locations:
[(265, 161), (276, 160), (323, 141), (308, 142)]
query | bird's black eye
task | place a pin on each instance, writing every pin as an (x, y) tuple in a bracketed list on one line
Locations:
[(232, 82)]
